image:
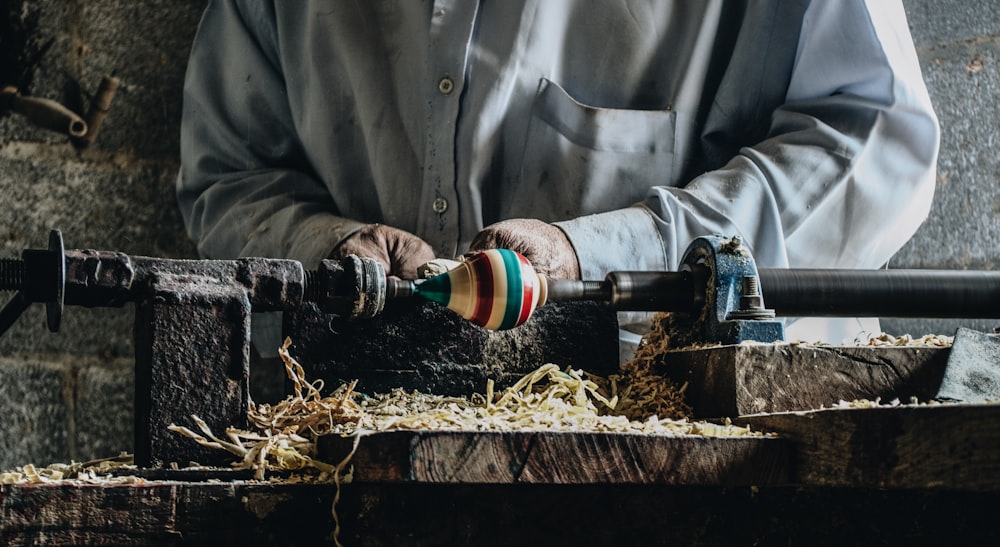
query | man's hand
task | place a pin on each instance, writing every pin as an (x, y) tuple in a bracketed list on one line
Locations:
[(545, 246), (399, 252)]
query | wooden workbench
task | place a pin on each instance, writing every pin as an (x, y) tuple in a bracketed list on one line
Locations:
[(909, 474), (915, 475), (401, 514)]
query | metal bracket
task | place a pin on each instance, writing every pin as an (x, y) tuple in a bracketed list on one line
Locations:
[(732, 308)]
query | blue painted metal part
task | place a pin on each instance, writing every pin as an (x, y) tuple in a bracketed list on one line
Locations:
[(731, 313)]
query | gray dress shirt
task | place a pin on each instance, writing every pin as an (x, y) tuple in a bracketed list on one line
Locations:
[(635, 126)]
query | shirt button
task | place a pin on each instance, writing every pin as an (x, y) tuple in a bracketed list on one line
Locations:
[(446, 86), (440, 205)]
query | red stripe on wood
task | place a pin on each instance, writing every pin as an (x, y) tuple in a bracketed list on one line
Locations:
[(483, 271)]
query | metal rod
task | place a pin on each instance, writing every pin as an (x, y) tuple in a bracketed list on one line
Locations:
[(807, 293), (11, 274), (399, 288), (562, 289), (655, 291), (635, 291), (12, 311), (881, 293)]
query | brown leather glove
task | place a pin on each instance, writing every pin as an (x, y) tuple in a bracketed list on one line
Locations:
[(544, 245), (400, 252)]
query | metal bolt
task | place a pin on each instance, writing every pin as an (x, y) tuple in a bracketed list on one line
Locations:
[(11, 274), (751, 301), (751, 298), (38, 276)]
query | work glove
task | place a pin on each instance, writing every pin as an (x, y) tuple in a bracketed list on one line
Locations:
[(400, 252), (545, 246)]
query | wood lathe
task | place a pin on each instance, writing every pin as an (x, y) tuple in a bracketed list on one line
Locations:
[(910, 469)]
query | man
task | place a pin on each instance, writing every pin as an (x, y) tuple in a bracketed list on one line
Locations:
[(590, 136)]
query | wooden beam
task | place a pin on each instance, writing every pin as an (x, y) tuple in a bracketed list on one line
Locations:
[(948, 446), (562, 458), (403, 514), (729, 381)]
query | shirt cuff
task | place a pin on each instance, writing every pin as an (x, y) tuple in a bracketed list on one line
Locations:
[(620, 240), (311, 241)]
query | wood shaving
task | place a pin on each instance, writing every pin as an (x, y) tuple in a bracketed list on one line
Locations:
[(930, 340), (283, 436), (641, 391), (102, 471), (548, 399)]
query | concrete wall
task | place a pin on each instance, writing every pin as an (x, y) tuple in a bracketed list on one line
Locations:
[(68, 395)]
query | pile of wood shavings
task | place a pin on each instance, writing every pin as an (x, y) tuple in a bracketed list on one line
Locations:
[(913, 401), (885, 340), (642, 392), (869, 403), (548, 399), (930, 340), (283, 436), (102, 471)]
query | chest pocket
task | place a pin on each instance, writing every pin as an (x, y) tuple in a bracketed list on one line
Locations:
[(580, 160)]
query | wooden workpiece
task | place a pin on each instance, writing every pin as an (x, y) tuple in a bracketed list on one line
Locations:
[(730, 381)]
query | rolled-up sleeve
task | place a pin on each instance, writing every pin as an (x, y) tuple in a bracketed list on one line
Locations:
[(843, 178)]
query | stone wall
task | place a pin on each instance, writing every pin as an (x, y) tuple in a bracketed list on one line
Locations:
[(68, 395)]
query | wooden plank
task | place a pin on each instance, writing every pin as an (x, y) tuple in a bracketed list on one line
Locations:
[(736, 380), (404, 514), (953, 446), (153, 513), (562, 458)]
